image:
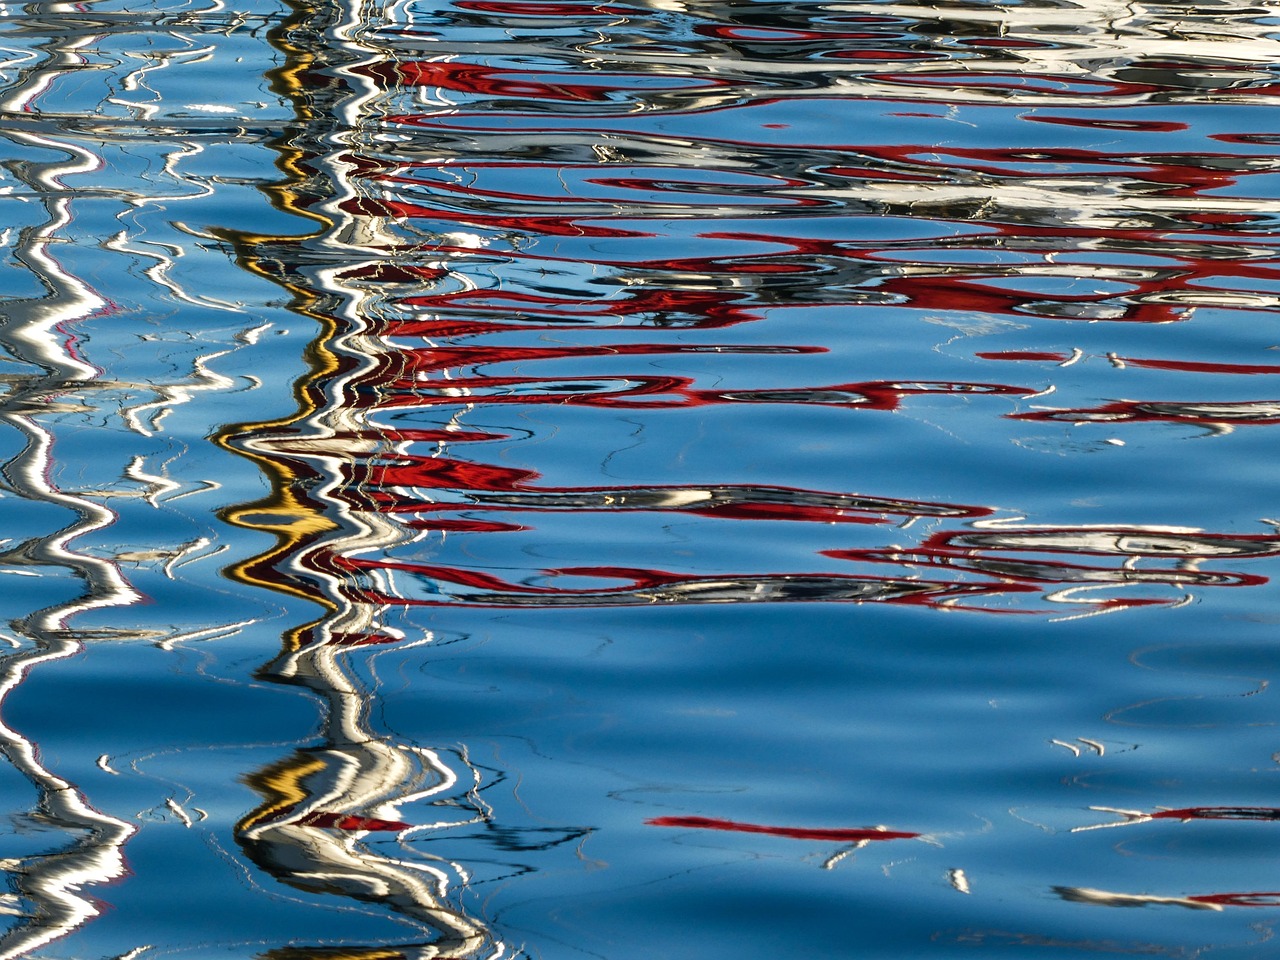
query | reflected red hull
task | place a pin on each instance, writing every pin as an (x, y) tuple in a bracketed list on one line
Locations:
[(839, 835)]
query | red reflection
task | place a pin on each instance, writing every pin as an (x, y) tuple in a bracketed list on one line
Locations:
[(1041, 355), (500, 82), (1260, 899), (339, 639), (656, 392), (1193, 366), (841, 835), (344, 821)]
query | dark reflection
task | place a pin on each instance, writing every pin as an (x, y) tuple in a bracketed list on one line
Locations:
[(845, 834), (1200, 901), (1216, 416), (1183, 814)]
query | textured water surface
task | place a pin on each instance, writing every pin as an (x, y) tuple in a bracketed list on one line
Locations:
[(519, 478)]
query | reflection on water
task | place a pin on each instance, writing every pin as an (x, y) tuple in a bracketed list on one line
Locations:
[(1189, 813), (92, 535), (618, 320), (1203, 901), (48, 892)]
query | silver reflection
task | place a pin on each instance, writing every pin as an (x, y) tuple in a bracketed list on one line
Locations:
[(52, 890), (48, 380), (339, 818)]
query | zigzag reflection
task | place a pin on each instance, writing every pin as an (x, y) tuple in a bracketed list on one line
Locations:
[(49, 899), (322, 804), (328, 811), (50, 886), (71, 73), (463, 268)]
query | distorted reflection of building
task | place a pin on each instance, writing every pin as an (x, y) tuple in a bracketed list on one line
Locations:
[(423, 246), (1073, 233), (1201, 901), (449, 251), (341, 818)]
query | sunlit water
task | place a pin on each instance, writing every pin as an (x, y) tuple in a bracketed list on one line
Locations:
[(508, 478)]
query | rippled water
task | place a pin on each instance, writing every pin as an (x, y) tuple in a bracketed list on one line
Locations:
[(520, 478)]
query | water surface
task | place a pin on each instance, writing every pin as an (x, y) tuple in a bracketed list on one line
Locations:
[(557, 479)]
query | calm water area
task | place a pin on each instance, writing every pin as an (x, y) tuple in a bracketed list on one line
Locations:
[(632, 480)]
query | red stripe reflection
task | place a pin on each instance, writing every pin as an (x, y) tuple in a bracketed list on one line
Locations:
[(839, 834), (345, 821)]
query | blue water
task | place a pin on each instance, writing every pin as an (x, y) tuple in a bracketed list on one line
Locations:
[(518, 478)]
